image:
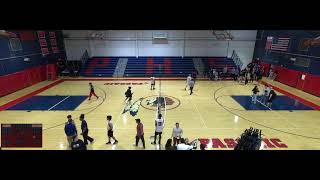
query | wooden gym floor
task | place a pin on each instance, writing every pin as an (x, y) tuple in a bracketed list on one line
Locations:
[(209, 113)]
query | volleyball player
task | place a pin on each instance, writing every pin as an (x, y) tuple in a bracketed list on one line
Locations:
[(188, 80), (159, 123), (92, 91), (191, 85), (272, 96), (110, 130), (153, 82), (128, 95), (255, 91)]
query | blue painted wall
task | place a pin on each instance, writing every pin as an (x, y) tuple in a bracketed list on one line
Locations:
[(296, 36), (10, 62)]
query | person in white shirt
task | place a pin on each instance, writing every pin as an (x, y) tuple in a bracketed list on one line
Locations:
[(191, 85), (153, 82), (159, 123), (216, 75), (270, 74), (176, 134), (188, 80), (110, 130), (184, 146), (248, 76)]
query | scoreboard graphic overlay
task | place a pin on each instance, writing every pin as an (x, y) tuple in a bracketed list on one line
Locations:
[(21, 135)]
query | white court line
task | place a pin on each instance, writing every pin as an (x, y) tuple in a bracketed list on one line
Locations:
[(199, 113), (58, 103), (119, 116), (287, 120), (262, 103)]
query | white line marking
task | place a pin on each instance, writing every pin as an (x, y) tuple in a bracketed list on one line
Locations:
[(58, 103), (286, 119), (262, 104), (119, 115), (199, 113)]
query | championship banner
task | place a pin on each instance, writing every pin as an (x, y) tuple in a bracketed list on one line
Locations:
[(52, 35), (45, 51), (53, 42), (41, 34), (55, 49), (43, 43)]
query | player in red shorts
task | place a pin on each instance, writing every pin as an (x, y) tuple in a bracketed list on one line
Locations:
[(92, 91)]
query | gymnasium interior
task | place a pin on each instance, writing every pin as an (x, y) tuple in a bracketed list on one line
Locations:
[(45, 76)]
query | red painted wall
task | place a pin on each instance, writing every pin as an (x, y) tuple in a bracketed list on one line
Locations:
[(287, 76), (311, 83), (13, 82)]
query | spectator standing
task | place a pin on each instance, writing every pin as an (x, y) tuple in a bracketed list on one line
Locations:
[(70, 130), (85, 130), (140, 133), (177, 134)]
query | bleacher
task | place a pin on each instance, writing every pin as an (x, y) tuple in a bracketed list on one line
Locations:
[(99, 67), (151, 66), (159, 67), (219, 63)]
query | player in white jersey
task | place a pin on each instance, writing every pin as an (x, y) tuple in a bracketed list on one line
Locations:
[(188, 80), (153, 82), (159, 123)]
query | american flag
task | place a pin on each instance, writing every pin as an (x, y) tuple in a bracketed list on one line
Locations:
[(277, 44)]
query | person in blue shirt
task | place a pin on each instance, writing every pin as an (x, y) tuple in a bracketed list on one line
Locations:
[(85, 130), (70, 130)]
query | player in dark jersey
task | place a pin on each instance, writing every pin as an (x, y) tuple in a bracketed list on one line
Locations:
[(128, 95), (272, 96), (255, 91), (92, 91)]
